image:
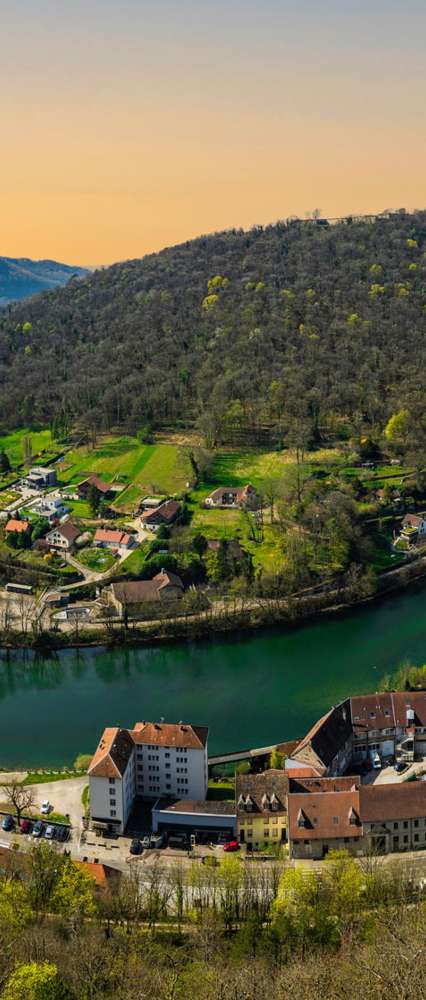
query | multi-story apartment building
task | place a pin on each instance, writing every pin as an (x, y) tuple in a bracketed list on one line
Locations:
[(152, 760)]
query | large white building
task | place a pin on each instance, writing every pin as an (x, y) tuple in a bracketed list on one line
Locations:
[(152, 760)]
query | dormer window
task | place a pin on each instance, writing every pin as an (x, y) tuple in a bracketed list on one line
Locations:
[(241, 802), (352, 817), (249, 803), (301, 818)]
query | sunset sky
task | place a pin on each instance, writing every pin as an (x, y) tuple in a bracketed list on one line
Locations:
[(129, 125)]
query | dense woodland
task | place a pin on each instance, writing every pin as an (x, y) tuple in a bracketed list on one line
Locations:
[(235, 934), (236, 330)]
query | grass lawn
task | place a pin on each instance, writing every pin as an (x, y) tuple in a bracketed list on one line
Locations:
[(134, 562), (143, 468), (7, 497), (96, 558), (13, 444), (44, 777), (80, 508), (236, 468), (219, 790)]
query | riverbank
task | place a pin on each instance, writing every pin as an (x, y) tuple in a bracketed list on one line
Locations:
[(237, 615)]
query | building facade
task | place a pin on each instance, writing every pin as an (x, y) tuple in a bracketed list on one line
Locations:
[(152, 760), (261, 801)]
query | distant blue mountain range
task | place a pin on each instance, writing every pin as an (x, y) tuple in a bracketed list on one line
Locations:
[(21, 277)]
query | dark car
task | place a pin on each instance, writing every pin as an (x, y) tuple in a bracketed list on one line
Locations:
[(8, 823), (38, 828), (136, 846), (62, 833), (400, 766), (25, 826)]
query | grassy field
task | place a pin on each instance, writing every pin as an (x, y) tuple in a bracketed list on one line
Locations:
[(236, 468), (7, 497), (97, 559), (13, 444), (139, 468)]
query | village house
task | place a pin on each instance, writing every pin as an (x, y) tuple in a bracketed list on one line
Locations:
[(165, 514), (151, 760), (324, 815), (413, 526), (233, 496), (151, 503), (119, 541), (41, 478), (132, 597), (63, 536), (18, 527), (83, 488), (261, 801), (51, 510)]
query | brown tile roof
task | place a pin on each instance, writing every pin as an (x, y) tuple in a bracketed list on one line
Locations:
[(97, 483), (166, 512), (309, 784), (372, 711), (324, 815), (137, 591), (67, 530), (112, 754), (19, 526), (257, 790), (387, 709), (101, 874), (239, 492), (168, 734), (402, 800), (326, 737)]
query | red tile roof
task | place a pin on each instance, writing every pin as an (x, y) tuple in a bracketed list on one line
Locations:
[(166, 512), (112, 536), (324, 815), (97, 483), (18, 526), (402, 800), (167, 734)]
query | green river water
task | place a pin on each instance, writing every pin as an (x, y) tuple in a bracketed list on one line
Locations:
[(252, 690)]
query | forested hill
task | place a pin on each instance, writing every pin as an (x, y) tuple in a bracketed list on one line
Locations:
[(315, 320), (21, 277)]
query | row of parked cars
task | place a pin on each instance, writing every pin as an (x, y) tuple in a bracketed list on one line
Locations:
[(37, 829)]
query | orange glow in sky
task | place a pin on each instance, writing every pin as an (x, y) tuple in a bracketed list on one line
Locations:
[(134, 125)]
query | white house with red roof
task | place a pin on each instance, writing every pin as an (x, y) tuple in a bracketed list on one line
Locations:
[(110, 538), (152, 760)]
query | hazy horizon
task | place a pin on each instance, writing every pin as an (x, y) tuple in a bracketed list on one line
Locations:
[(127, 128)]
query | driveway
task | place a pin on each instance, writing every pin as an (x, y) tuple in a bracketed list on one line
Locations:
[(64, 797)]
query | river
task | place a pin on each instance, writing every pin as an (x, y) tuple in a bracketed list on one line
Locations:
[(252, 690)]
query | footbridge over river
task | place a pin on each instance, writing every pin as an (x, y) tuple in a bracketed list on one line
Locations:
[(237, 755)]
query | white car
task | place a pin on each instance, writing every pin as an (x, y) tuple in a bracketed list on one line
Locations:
[(45, 807)]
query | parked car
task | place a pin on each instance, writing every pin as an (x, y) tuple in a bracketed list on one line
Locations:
[(136, 846), (25, 826), (62, 833), (45, 807), (8, 823), (375, 760), (179, 842), (400, 766), (146, 841), (231, 845), (38, 828), (49, 832), (157, 840)]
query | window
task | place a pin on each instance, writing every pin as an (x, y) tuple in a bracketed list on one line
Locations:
[(416, 837), (112, 781), (113, 812), (112, 802), (416, 822), (405, 825), (167, 755), (395, 826), (406, 839), (168, 787)]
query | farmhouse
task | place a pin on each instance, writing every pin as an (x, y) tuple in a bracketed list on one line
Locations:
[(17, 527), (132, 597), (63, 536), (112, 539), (83, 489), (233, 496), (164, 514)]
